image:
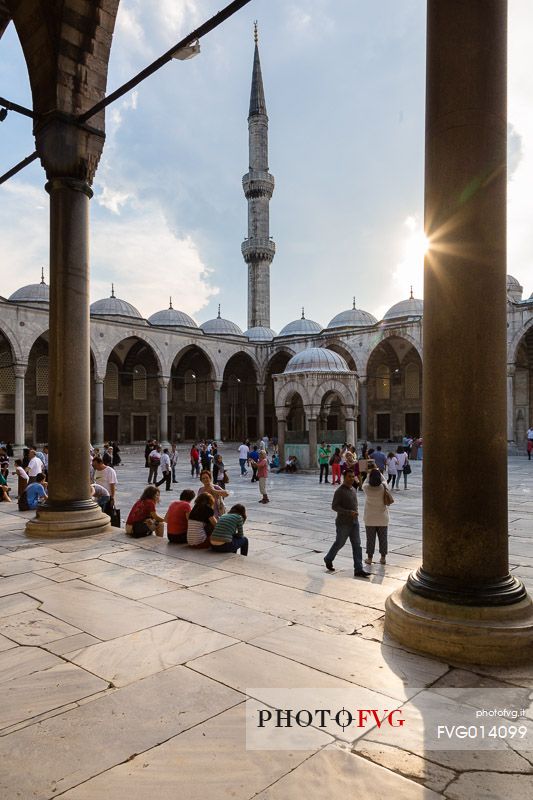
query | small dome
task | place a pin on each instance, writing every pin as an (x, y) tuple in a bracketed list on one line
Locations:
[(33, 293), (171, 318), (260, 334), (114, 307), (412, 307), (514, 290), (352, 318), (301, 327), (317, 359), (220, 327)]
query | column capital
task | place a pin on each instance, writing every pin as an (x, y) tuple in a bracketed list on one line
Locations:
[(99, 378), (163, 381), (281, 415), (20, 370), (363, 379), (511, 370), (217, 386), (67, 149), (261, 387)]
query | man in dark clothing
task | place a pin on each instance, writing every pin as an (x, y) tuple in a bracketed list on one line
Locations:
[(380, 458), (347, 525)]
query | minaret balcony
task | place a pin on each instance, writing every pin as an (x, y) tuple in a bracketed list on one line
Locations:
[(258, 184), (258, 249)]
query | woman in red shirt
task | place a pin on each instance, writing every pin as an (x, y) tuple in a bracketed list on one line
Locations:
[(143, 519)]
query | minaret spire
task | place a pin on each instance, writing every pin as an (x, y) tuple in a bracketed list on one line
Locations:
[(258, 184)]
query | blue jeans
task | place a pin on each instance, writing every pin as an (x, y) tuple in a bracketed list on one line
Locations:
[(242, 462), (237, 543), (345, 531)]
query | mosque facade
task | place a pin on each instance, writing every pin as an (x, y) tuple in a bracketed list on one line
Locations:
[(166, 376)]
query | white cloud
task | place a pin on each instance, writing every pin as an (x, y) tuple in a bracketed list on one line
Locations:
[(409, 271), (113, 200), (24, 209), (309, 20)]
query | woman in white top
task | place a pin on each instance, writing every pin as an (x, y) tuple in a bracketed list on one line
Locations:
[(401, 455), (376, 515), (392, 469)]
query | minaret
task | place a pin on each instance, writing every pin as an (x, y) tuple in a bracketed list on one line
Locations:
[(258, 184)]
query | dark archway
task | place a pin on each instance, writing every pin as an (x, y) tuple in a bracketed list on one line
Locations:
[(191, 397), (239, 406), (394, 380)]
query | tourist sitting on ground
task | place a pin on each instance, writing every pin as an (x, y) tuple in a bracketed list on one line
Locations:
[(4, 462), (22, 476), (217, 492), (101, 495), (177, 516), (291, 464), (143, 519), (201, 521), (274, 463), (4, 490), (34, 494), (228, 535)]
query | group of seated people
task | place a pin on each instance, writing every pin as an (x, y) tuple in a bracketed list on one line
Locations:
[(200, 524), (291, 465)]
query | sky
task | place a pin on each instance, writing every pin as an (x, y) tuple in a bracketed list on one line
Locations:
[(344, 83)]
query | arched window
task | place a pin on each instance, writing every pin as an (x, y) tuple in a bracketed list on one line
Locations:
[(412, 382), (7, 374), (190, 386), (41, 376), (383, 382), (111, 382), (139, 382)]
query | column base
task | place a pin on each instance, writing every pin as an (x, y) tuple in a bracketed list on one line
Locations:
[(59, 524), (489, 636)]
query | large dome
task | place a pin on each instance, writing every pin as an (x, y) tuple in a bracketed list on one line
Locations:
[(114, 307), (514, 290), (301, 327), (317, 359), (412, 307), (32, 293), (172, 318), (260, 334), (352, 318), (220, 327)]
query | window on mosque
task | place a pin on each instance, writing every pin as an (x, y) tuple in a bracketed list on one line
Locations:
[(382, 383), (139, 382), (41, 376), (7, 374), (190, 386), (412, 382), (111, 382)]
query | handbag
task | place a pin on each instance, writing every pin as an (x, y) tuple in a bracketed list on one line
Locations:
[(388, 499), (226, 478), (407, 468), (114, 513)]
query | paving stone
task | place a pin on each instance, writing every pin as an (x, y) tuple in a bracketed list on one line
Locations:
[(56, 574), (35, 627), (21, 583), (129, 658), (129, 582), (409, 765), (490, 786), (16, 566), (175, 570), (125, 722), (17, 603), (6, 644), (23, 661), (71, 643)]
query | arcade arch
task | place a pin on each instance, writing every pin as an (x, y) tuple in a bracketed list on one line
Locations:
[(394, 390)]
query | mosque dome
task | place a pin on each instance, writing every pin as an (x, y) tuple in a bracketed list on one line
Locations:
[(114, 307), (220, 327), (33, 293), (352, 318), (412, 307), (301, 327), (260, 334), (172, 318), (317, 359), (514, 290)]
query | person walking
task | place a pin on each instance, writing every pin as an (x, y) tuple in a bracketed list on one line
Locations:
[(173, 462), (376, 515), (529, 443), (347, 525), (166, 470), (253, 458), (335, 462), (195, 460), (392, 469), (380, 459), (154, 460), (402, 459), (262, 474), (243, 457), (324, 454)]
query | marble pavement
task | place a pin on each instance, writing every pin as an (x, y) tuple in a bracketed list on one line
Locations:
[(125, 664)]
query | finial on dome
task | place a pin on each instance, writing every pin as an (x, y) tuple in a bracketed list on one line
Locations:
[(411, 295), (256, 36), (303, 313), (218, 315), (170, 304), (112, 290), (353, 307), (42, 275)]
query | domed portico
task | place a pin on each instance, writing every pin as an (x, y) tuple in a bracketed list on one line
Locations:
[(313, 375)]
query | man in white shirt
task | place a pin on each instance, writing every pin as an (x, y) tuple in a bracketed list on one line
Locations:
[(154, 459), (35, 467), (105, 476), (243, 457), (165, 469)]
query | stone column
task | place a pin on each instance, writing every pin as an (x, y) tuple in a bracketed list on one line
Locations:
[(163, 410), (216, 410), (69, 154), (511, 443), (312, 425), (99, 411), (20, 413), (363, 406), (350, 431), (282, 424), (261, 410), (462, 603)]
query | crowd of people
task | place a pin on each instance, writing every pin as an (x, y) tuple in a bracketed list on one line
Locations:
[(393, 465)]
